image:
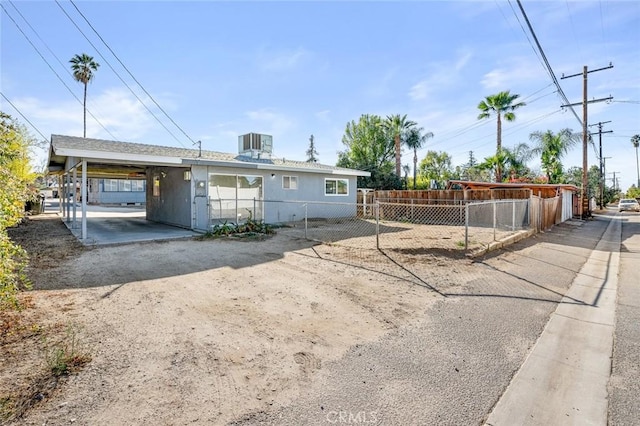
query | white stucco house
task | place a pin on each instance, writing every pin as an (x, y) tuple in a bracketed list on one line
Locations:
[(194, 189)]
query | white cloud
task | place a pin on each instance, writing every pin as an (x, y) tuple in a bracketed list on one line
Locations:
[(269, 122), (442, 75), (508, 77), (117, 110), (282, 60)]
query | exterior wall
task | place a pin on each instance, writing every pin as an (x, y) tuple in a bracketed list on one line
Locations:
[(311, 188), (279, 204), (97, 195), (173, 203)]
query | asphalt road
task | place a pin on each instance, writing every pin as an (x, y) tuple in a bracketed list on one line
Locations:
[(454, 366), (624, 384)]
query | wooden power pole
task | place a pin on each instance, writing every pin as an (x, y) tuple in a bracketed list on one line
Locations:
[(585, 211)]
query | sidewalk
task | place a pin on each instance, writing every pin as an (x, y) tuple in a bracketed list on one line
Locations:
[(564, 379)]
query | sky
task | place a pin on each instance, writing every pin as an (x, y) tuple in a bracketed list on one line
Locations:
[(292, 69)]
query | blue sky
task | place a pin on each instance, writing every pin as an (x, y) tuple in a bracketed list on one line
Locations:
[(292, 69)]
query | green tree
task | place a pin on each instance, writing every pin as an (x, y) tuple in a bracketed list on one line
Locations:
[(15, 177), (83, 67), (397, 126), (635, 141), (496, 163), (517, 159), (436, 166), (312, 154), (501, 105), (415, 139), (369, 147), (551, 148)]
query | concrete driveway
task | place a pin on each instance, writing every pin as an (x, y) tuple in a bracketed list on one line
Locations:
[(118, 225)]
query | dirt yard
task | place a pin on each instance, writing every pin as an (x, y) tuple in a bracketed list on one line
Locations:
[(199, 331)]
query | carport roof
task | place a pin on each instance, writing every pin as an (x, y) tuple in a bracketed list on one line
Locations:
[(128, 157)]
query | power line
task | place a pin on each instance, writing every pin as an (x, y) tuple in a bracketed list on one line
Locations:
[(51, 52), (51, 68), (129, 72), (23, 116), (547, 64), (118, 75)]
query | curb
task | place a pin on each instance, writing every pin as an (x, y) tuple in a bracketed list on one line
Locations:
[(502, 243)]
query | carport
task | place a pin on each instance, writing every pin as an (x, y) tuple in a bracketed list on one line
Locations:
[(74, 160)]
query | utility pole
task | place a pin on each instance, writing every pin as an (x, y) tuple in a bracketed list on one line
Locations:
[(585, 136), (601, 180)]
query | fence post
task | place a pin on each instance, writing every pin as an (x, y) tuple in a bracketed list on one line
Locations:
[(255, 216), (495, 218), (305, 221), (377, 225), (513, 215), (466, 226)]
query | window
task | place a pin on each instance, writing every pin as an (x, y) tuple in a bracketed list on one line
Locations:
[(138, 185), (336, 187), (123, 185), (110, 185), (289, 182)]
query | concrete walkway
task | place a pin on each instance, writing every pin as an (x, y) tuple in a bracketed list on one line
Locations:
[(564, 379)]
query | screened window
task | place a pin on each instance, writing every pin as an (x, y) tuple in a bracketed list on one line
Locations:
[(138, 185), (110, 185), (336, 187), (123, 185), (290, 182)]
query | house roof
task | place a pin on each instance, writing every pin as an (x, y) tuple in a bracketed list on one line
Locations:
[(128, 157)]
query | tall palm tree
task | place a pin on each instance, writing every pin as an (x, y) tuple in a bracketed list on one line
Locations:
[(415, 140), (552, 147), (397, 125), (83, 67), (635, 140), (502, 105)]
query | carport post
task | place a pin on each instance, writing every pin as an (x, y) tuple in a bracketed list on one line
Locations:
[(83, 189), (66, 197), (75, 183)]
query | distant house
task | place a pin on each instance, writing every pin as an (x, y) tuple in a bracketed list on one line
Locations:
[(195, 189)]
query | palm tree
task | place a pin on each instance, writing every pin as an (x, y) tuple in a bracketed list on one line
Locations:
[(415, 140), (397, 125), (502, 105), (552, 147), (83, 67), (635, 140)]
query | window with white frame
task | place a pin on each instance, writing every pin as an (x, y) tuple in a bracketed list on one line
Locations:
[(336, 187), (289, 182), (123, 185)]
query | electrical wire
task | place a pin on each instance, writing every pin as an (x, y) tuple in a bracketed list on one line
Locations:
[(118, 75), (52, 70), (64, 66), (130, 74), (547, 64), (23, 116)]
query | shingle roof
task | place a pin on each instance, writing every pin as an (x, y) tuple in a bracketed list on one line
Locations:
[(131, 148)]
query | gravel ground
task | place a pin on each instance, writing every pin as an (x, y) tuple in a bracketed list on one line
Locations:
[(290, 333), (452, 367), (624, 386)]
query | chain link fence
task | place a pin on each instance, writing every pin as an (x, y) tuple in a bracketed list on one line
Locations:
[(402, 226)]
